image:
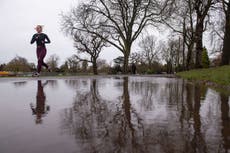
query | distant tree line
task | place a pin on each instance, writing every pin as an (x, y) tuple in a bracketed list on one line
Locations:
[(71, 65), (146, 62)]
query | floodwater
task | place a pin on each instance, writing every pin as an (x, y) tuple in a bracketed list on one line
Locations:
[(112, 115)]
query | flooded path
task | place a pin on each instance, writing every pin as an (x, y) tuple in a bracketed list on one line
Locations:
[(112, 115)]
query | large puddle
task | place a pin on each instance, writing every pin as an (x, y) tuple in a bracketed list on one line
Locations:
[(112, 115)]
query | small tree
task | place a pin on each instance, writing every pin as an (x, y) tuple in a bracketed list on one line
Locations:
[(89, 44), (205, 58)]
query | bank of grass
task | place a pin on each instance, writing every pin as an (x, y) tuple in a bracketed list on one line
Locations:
[(218, 75)]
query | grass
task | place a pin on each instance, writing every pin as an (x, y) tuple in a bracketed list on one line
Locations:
[(218, 75)]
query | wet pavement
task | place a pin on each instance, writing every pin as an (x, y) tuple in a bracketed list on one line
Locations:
[(112, 115)]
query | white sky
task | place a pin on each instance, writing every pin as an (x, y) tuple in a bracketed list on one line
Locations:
[(18, 19)]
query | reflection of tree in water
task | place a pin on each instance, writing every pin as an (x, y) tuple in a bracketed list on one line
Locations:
[(116, 126), (198, 142), (128, 124), (101, 128), (76, 84), (187, 99), (183, 102), (195, 126), (147, 90), (225, 131), (52, 83), (87, 109)]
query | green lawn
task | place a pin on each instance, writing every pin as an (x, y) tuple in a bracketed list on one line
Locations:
[(219, 75)]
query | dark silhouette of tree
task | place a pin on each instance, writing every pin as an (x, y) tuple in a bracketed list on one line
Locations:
[(226, 44), (89, 44)]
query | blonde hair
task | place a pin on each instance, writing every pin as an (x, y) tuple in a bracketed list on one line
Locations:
[(39, 26)]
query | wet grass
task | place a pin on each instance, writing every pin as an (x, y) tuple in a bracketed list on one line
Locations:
[(218, 75)]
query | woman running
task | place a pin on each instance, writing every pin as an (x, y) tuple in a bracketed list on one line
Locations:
[(41, 39)]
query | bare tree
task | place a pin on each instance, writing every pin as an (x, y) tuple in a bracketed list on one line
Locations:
[(85, 42), (182, 23), (226, 45), (122, 20), (149, 50), (190, 20), (89, 44)]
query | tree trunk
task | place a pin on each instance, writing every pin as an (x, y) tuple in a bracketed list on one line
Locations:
[(126, 59), (199, 44), (183, 49), (178, 57), (189, 56), (226, 48), (183, 57), (127, 105), (95, 67)]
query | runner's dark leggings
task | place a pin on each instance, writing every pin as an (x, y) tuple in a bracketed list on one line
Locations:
[(41, 53)]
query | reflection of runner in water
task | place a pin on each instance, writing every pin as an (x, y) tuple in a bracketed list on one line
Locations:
[(41, 39), (41, 109)]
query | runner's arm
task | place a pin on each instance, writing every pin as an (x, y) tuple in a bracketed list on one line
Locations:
[(47, 40), (33, 39)]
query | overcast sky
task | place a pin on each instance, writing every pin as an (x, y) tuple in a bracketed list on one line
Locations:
[(18, 19)]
